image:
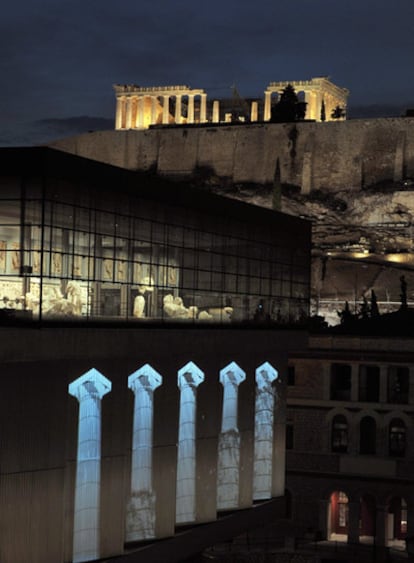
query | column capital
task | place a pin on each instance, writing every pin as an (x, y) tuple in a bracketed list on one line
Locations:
[(232, 374), (265, 375), (190, 376), (144, 378), (90, 384)]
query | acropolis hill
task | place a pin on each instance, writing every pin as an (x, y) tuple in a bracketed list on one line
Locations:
[(352, 178)]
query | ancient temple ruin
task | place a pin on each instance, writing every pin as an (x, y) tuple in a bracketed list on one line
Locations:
[(320, 95), (141, 107)]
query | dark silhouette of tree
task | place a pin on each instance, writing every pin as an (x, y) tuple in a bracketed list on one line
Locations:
[(338, 113), (277, 189), (374, 305), (323, 111), (288, 108), (346, 314), (364, 310)]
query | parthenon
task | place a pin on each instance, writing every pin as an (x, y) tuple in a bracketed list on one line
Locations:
[(141, 107)]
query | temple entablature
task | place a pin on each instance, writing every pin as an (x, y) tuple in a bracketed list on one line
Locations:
[(139, 107), (316, 92)]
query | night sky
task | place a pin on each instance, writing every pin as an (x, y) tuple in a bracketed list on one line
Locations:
[(60, 58)]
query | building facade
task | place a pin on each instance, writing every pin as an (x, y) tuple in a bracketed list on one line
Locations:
[(350, 439), (145, 332)]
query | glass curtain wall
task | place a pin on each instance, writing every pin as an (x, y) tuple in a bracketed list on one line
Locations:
[(70, 252)]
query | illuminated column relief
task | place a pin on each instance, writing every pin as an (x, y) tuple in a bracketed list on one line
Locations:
[(190, 115), (263, 432), (178, 99), (229, 439), (189, 378), (165, 110), (216, 111), (267, 106), (140, 521), (203, 108), (89, 390)]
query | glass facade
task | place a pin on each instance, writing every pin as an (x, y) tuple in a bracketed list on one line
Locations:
[(76, 247)]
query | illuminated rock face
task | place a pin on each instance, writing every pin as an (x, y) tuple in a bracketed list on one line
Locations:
[(140, 522), (229, 440), (189, 378), (263, 432), (89, 390)]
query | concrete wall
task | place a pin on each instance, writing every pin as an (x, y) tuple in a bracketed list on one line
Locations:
[(343, 155), (38, 426)]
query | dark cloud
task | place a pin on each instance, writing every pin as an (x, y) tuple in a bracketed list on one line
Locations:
[(61, 58)]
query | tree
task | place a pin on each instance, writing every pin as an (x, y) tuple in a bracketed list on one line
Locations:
[(346, 316), (338, 113), (277, 189), (374, 304), (323, 111), (364, 308), (288, 108)]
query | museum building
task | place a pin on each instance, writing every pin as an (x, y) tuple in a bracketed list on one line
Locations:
[(97, 242), (145, 331)]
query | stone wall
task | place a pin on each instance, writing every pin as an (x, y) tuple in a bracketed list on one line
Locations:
[(335, 155)]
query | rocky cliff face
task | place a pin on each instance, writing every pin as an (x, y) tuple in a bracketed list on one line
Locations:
[(352, 188)]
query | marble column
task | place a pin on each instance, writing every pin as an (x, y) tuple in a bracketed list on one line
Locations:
[(263, 432), (119, 108), (140, 520), (140, 112), (189, 378), (88, 390), (254, 112), (203, 108), (267, 106), (128, 119), (135, 110), (216, 111), (165, 110), (178, 100), (153, 110), (190, 114), (229, 439)]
